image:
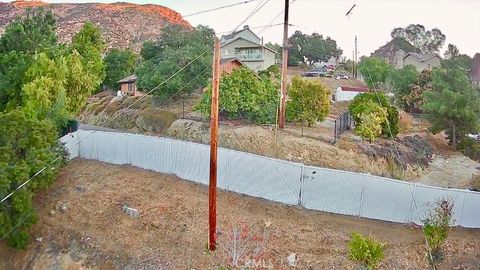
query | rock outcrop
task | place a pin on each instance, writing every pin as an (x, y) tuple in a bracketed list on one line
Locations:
[(123, 25)]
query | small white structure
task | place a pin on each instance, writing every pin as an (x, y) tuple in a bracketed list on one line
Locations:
[(346, 93)]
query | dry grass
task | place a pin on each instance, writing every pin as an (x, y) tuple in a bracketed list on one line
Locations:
[(405, 123), (171, 232)]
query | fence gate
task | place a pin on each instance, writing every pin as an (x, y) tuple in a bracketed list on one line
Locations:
[(342, 123)]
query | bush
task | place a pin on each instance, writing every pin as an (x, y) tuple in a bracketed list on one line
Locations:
[(436, 227), (470, 148), (405, 122), (371, 121), (309, 101), (362, 104), (244, 95), (366, 250), (26, 145)]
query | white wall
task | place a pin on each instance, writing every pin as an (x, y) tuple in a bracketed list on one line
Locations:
[(345, 95)]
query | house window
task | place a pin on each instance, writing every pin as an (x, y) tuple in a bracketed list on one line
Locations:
[(248, 54)]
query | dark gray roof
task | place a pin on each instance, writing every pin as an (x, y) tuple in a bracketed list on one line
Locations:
[(128, 79), (421, 57)]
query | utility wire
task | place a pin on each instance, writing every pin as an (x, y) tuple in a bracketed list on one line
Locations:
[(270, 23), (257, 9), (218, 8)]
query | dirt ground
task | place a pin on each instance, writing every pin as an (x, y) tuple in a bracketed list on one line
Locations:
[(92, 231)]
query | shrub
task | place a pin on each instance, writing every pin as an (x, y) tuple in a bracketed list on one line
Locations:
[(309, 101), (362, 104), (470, 148), (371, 123), (366, 250), (436, 227), (405, 122), (244, 95)]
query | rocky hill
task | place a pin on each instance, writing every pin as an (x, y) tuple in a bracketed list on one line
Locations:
[(124, 25), (388, 50)]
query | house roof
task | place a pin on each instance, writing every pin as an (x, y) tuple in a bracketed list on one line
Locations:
[(227, 38), (256, 44), (354, 89), (421, 57), (128, 79), (230, 59)]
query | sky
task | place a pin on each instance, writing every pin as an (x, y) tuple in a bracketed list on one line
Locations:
[(371, 20)]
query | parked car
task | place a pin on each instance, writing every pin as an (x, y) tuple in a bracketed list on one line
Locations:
[(342, 77), (315, 73)]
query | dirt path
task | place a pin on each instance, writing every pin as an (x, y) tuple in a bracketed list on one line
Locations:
[(171, 231)]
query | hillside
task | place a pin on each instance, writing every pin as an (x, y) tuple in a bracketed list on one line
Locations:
[(388, 50), (124, 25)]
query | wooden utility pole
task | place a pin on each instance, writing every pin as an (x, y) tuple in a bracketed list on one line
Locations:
[(356, 58), (283, 89), (212, 191), (353, 64)]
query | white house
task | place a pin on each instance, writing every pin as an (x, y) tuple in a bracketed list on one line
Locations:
[(346, 93), (247, 47), (418, 60)]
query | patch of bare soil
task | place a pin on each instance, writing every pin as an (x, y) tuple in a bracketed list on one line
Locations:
[(171, 231)]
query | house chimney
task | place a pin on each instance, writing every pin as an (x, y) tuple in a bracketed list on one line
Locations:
[(245, 27), (399, 55), (262, 41)]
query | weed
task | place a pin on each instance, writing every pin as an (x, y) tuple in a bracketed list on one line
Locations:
[(366, 250)]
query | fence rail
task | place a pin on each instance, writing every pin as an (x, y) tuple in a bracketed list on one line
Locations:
[(282, 181)]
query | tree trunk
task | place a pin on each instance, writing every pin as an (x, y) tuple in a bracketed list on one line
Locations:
[(454, 138)]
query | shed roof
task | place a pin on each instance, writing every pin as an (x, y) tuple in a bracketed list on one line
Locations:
[(354, 89), (128, 79), (230, 59)]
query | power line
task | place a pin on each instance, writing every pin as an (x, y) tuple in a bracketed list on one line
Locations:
[(274, 18), (257, 9), (218, 8)]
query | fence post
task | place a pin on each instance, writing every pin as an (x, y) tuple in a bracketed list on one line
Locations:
[(335, 132), (361, 196), (463, 206), (302, 178)]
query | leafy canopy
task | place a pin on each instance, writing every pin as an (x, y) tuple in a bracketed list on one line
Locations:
[(34, 32), (453, 104), (119, 64), (309, 101), (26, 146), (375, 71), (42, 84), (426, 41), (176, 48), (311, 49), (244, 95)]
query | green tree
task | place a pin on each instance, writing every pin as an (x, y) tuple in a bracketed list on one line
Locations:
[(34, 32), (453, 105), (309, 101), (26, 146), (88, 42), (375, 71), (311, 49), (454, 59), (426, 41), (277, 48), (402, 81), (244, 95), (176, 48), (13, 66), (119, 64)]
